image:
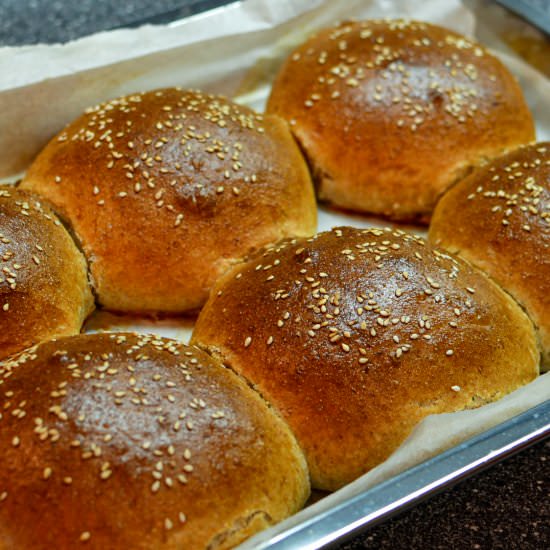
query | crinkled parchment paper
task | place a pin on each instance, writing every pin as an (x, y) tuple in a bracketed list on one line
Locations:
[(236, 50)]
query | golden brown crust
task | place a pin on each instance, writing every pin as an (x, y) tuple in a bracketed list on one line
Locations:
[(167, 189), (356, 335), (499, 220), (44, 289), (390, 113), (129, 441)]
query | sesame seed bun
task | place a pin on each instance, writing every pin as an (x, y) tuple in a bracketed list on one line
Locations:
[(499, 220), (390, 113), (44, 289), (167, 189), (356, 335), (132, 441)]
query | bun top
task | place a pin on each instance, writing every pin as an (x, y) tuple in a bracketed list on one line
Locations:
[(166, 189), (44, 288), (499, 219), (133, 441), (356, 335), (390, 113)]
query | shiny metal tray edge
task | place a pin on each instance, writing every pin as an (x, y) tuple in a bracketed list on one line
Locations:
[(531, 11), (416, 484)]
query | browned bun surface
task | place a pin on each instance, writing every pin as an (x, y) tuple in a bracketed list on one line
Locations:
[(168, 188), (499, 219), (356, 335), (44, 289), (114, 441), (390, 113)]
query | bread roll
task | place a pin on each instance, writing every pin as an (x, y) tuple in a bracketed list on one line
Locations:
[(499, 220), (356, 335), (167, 189), (390, 113), (44, 289), (113, 441)]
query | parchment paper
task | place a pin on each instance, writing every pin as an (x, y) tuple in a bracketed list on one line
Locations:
[(236, 50)]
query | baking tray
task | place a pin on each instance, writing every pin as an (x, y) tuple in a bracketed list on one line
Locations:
[(361, 511)]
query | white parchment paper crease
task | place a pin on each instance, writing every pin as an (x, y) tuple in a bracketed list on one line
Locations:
[(236, 50)]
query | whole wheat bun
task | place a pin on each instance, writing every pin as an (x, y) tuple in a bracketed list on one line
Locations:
[(390, 113), (167, 189), (499, 219), (44, 289), (356, 335), (114, 441)]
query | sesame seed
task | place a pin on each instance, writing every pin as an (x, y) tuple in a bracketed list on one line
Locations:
[(85, 536), (248, 341), (449, 352), (456, 388), (182, 479)]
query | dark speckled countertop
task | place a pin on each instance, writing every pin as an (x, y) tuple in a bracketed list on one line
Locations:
[(506, 507)]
